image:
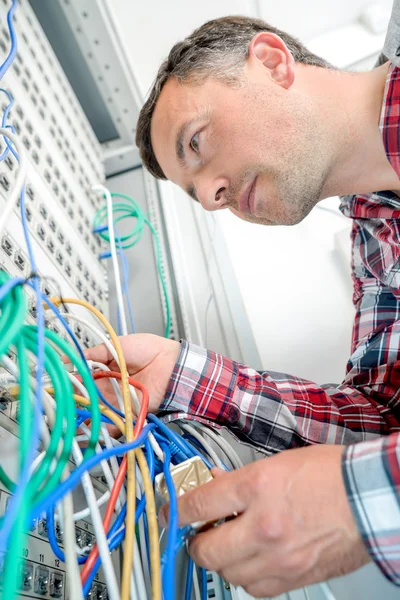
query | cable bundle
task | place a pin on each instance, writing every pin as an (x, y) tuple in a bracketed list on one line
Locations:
[(65, 418)]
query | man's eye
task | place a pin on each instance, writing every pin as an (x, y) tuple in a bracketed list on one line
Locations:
[(194, 143)]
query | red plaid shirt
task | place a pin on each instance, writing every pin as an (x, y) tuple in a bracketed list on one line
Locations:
[(276, 411)]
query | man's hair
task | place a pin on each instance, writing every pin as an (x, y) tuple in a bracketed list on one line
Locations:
[(218, 49)]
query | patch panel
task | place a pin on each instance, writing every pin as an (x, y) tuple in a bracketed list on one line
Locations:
[(44, 72), (42, 575), (43, 227)]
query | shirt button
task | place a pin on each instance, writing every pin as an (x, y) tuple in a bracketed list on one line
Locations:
[(398, 51)]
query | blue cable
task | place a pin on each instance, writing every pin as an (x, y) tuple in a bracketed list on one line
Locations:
[(125, 271), (13, 50), (6, 288), (146, 536), (9, 146), (85, 414), (114, 543), (168, 572), (203, 574), (64, 323), (16, 499), (189, 579), (69, 484), (182, 444)]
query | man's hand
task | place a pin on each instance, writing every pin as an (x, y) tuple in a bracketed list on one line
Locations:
[(149, 358), (294, 528)]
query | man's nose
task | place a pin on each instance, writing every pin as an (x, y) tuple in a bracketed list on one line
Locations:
[(213, 194)]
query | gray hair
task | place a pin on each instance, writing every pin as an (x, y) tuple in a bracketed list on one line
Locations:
[(217, 49)]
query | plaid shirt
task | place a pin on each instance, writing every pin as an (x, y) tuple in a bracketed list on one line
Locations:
[(276, 411)]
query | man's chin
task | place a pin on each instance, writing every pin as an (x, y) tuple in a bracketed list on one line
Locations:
[(251, 218)]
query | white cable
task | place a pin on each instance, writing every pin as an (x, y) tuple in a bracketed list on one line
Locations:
[(72, 569), (212, 454), (139, 577), (196, 586), (85, 513), (306, 595), (110, 477), (19, 180), (222, 443), (114, 257), (142, 536), (326, 590), (153, 442), (105, 467), (101, 540)]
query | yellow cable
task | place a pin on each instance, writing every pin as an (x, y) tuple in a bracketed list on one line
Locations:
[(128, 430), (150, 501)]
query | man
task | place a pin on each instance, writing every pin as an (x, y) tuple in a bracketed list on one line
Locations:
[(242, 116)]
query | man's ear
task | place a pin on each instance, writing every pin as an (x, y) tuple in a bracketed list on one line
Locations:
[(271, 51)]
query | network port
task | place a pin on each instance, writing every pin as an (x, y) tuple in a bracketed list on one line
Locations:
[(29, 192), (50, 245), (42, 527), (28, 213), (9, 162), (59, 257), (41, 583), (78, 330), (88, 539), (7, 245), (41, 232), (79, 538), (4, 182), (26, 576), (19, 261), (56, 585), (59, 533), (99, 592)]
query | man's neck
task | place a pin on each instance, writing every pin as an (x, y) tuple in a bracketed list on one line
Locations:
[(352, 104)]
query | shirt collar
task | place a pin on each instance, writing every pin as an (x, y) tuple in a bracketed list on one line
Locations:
[(390, 118)]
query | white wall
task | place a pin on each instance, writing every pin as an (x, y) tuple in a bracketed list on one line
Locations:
[(150, 27), (296, 286)]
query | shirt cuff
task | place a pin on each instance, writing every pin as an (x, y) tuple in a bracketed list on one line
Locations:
[(202, 385), (371, 472)]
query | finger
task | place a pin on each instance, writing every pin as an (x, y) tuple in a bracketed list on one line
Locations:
[(99, 353), (251, 570), (267, 587), (219, 498), (217, 472), (224, 545)]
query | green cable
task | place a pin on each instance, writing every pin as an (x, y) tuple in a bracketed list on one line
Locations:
[(12, 559), (13, 310), (127, 211), (131, 209), (64, 414), (162, 278), (89, 384)]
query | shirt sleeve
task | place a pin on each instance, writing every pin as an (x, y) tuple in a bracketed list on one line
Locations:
[(273, 411), (371, 472)]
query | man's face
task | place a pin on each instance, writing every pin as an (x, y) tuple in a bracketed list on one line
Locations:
[(256, 148)]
